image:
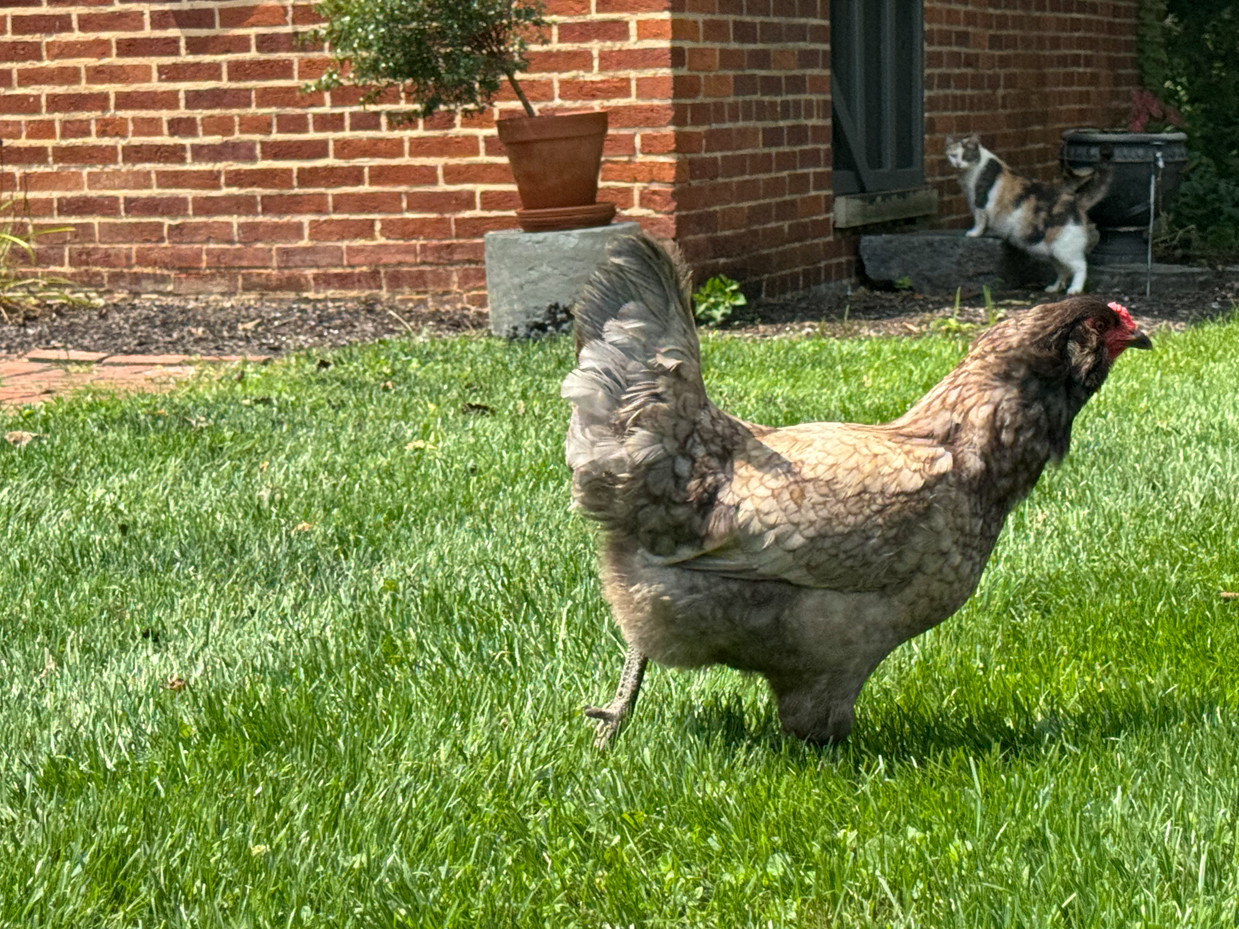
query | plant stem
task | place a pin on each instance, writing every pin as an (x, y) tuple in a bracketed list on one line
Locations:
[(529, 110)]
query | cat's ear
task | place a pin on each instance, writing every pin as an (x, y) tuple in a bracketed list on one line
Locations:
[(972, 140)]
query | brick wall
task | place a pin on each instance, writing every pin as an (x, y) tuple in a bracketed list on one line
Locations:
[(175, 140), (1019, 77), (752, 106), (173, 137)]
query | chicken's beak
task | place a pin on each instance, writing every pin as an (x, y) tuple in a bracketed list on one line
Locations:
[(1138, 339)]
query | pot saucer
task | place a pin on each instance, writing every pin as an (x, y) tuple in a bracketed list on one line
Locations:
[(566, 217)]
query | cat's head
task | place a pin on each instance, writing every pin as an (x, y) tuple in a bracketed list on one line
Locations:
[(963, 151)]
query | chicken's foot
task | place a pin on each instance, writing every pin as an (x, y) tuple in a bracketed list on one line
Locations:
[(611, 717)]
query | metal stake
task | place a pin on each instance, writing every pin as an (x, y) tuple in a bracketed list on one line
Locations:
[(1155, 177)]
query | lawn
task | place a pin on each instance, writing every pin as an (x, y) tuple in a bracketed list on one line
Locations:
[(306, 645)]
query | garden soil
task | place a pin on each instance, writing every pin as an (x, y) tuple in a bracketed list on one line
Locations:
[(273, 325)]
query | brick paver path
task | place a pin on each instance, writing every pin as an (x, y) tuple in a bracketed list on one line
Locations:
[(39, 375)]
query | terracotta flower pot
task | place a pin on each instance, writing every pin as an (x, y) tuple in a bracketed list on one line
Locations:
[(556, 160)]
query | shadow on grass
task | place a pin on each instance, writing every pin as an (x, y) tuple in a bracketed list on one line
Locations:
[(901, 736)]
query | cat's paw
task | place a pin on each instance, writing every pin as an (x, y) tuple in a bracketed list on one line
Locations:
[(1055, 288), (974, 233)]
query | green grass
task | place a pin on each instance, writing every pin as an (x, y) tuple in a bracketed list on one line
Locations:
[(387, 622)]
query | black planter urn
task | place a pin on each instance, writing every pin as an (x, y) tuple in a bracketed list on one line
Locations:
[(1122, 218)]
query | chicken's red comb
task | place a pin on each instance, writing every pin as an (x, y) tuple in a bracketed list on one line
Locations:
[(1124, 315)]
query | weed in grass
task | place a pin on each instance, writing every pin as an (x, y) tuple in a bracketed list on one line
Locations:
[(379, 721)]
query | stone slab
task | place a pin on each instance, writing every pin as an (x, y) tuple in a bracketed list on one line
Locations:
[(939, 261), (532, 278)]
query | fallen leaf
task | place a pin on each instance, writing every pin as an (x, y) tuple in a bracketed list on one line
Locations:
[(1230, 594), (388, 385), (19, 438), (303, 527), (477, 408), (175, 682), (246, 327), (323, 364)]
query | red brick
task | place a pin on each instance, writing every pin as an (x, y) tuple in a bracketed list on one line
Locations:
[(91, 256), (75, 103), (252, 124), (84, 154), (226, 205), (275, 43), (228, 44), (597, 30), (191, 71), (88, 206), (365, 203), (183, 127), (49, 180), (25, 154), (273, 281), (131, 232), (345, 149), (203, 179), (440, 201), (118, 74), (153, 154), (501, 200), (107, 127), (384, 254), (21, 51), (62, 76), (435, 227), (224, 152), (148, 47), (121, 21), (183, 19), (267, 178), (285, 204), (477, 174), (280, 97), (156, 206), (250, 16), (333, 176), (262, 69), (347, 281), (328, 122), (218, 98), (444, 147), (40, 24), (163, 100), (167, 256), (340, 230), (560, 61), (59, 49), (226, 126), (271, 231), (402, 175), (290, 123), (20, 103), (238, 256), (118, 180), (201, 232), (294, 149), (308, 256), (362, 121)]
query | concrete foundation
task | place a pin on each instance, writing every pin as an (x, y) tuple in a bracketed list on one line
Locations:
[(532, 278)]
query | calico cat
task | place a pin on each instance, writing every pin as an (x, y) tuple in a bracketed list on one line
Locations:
[(1041, 220)]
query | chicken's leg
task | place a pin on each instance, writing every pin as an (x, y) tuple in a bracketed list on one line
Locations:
[(611, 717)]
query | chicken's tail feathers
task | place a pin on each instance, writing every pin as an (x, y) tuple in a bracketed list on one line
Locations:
[(636, 392)]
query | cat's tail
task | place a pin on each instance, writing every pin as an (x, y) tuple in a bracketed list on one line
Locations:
[(1094, 189)]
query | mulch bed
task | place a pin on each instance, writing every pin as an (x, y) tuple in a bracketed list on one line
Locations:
[(273, 325)]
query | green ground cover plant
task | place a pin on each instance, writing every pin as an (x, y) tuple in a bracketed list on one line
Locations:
[(309, 648)]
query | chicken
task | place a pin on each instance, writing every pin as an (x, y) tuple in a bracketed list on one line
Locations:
[(807, 553)]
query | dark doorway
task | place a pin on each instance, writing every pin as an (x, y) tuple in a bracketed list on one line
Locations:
[(877, 94)]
